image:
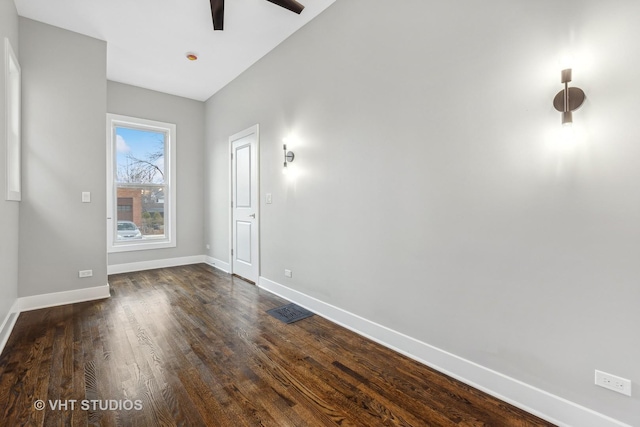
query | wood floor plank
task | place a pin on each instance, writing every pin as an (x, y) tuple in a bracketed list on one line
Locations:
[(191, 346), (21, 374)]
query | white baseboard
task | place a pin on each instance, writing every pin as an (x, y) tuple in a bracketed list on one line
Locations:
[(156, 263), (36, 302), (216, 263), (7, 326), (545, 405)]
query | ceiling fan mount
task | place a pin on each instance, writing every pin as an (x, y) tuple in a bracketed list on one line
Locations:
[(217, 10)]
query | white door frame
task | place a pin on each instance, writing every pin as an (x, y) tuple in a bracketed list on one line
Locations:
[(255, 129)]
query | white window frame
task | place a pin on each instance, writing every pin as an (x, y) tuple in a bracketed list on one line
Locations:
[(13, 122), (169, 129)]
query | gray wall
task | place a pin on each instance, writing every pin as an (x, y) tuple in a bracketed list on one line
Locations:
[(188, 116), (8, 210), (433, 196), (64, 127)]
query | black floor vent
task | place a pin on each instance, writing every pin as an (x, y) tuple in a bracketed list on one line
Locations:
[(290, 313)]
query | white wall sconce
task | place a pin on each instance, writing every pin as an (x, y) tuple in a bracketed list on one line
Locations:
[(568, 99), (288, 156)]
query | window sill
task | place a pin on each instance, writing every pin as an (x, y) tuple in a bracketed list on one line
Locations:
[(140, 246)]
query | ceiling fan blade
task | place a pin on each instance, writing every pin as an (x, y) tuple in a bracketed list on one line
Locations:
[(217, 14), (291, 5)]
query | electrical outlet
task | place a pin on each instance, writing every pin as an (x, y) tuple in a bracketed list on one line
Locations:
[(207, 246), (85, 273), (613, 382), (287, 273)]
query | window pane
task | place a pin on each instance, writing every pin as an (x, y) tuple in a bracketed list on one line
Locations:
[(140, 156), (12, 85), (140, 213), (13, 124)]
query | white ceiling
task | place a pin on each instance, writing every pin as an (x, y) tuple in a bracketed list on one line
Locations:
[(147, 39)]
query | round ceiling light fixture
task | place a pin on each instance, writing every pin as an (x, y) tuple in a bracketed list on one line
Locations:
[(191, 56)]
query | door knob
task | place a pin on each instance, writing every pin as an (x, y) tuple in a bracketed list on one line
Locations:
[(252, 215)]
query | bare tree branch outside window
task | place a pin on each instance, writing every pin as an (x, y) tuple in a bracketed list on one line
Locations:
[(142, 170)]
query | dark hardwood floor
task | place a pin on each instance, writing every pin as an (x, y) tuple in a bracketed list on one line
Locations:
[(194, 347)]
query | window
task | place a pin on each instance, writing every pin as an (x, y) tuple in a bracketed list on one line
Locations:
[(141, 184), (12, 86)]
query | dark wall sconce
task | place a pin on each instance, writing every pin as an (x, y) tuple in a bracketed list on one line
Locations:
[(288, 155), (569, 99)]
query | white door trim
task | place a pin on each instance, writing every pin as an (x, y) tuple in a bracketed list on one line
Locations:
[(255, 129)]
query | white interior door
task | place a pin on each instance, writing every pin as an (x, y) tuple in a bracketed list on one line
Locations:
[(245, 250)]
